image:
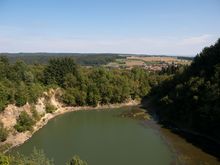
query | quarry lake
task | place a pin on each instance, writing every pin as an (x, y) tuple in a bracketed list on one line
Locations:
[(101, 137)]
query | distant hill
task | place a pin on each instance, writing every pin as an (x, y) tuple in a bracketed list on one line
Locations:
[(80, 58), (88, 59)]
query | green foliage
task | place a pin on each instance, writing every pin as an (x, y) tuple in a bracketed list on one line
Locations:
[(3, 133), (81, 86), (76, 161), (4, 67), (21, 94), (171, 69), (191, 99), (50, 108), (35, 114), (57, 69), (80, 58), (37, 157), (93, 95), (104, 86), (24, 122), (68, 97), (34, 92), (4, 160), (70, 81), (4, 96), (18, 72), (73, 97)]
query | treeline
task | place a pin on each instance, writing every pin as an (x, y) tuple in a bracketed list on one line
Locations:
[(44, 58), (21, 83), (191, 98)]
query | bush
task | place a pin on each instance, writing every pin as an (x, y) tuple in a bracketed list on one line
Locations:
[(76, 161), (37, 157), (74, 97), (50, 108), (2, 105), (4, 160), (24, 122), (3, 133), (68, 99), (35, 114), (21, 95), (35, 91), (4, 96)]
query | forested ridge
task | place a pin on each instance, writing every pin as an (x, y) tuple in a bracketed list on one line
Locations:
[(21, 83), (88, 59), (191, 98)]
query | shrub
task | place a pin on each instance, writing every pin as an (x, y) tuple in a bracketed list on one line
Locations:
[(2, 105), (74, 97), (4, 160), (24, 122), (4, 96), (3, 133), (37, 157), (68, 99), (76, 161), (35, 91), (35, 114), (21, 95), (50, 108)]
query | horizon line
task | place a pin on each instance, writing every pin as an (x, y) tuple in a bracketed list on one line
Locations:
[(91, 53)]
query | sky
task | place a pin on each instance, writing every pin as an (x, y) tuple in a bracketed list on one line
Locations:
[(159, 27)]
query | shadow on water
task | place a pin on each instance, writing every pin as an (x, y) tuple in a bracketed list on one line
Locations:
[(205, 143)]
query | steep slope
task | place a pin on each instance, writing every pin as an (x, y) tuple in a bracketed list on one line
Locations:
[(191, 99)]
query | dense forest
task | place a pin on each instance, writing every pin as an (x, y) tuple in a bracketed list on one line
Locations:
[(21, 83), (191, 98), (87, 59)]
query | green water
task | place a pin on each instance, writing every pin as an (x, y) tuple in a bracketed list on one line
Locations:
[(100, 138)]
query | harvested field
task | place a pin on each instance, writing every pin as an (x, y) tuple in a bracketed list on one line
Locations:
[(134, 63), (153, 59)]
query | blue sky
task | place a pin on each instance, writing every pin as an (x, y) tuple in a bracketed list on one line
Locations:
[(176, 27)]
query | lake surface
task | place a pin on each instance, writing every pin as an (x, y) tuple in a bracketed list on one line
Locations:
[(100, 138)]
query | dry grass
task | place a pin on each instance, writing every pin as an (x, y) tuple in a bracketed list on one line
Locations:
[(153, 59), (134, 63)]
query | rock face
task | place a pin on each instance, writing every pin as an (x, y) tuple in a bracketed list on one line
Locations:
[(9, 116), (40, 106), (11, 113)]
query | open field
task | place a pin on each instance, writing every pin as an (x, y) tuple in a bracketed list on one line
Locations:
[(134, 63), (153, 59), (151, 63)]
